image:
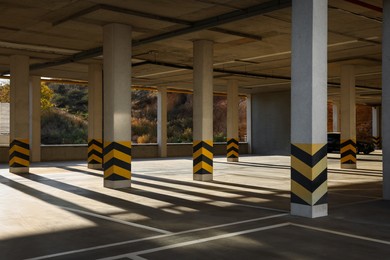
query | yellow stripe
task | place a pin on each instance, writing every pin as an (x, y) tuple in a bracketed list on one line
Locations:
[(232, 153), (19, 149), (347, 148), (118, 155), (307, 171), (203, 151), (19, 161), (203, 165), (319, 192), (232, 145), (95, 147), (310, 148), (118, 171), (95, 157), (301, 192), (348, 158)]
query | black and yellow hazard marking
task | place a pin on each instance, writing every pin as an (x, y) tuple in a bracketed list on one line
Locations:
[(348, 151), (95, 151), (232, 148), (376, 140), (309, 174), (19, 153), (117, 161), (203, 157)]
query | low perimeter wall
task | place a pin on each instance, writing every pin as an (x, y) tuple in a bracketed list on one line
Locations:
[(79, 152)]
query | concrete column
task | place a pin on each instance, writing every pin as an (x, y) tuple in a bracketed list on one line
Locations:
[(335, 114), (35, 118), (309, 109), (376, 126), (249, 122), (95, 116), (203, 111), (117, 105), (19, 153), (162, 116), (232, 121), (348, 118), (386, 98)]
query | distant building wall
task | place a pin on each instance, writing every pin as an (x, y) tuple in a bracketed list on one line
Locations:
[(4, 123), (271, 123)]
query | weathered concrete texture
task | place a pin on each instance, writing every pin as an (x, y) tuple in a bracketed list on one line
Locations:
[(271, 123), (61, 207)]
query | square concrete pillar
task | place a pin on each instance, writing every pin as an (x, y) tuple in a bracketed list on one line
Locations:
[(19, 153), (35, 118), (309, 109), (117, 106), (232, 121), (162, 118)]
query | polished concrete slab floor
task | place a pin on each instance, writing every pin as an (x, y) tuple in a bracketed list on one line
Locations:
[(61, 211)]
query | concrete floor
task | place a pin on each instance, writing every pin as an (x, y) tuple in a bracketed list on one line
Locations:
[(61, 211)]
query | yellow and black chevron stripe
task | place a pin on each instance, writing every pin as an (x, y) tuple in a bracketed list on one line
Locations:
[(19, 153), (309, 174), (377, 141), (203, 157), (232, 148), (117, 161), (348, 151), (95, 151)]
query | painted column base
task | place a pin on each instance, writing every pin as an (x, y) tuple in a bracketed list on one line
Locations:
[(309, 211), (19, 169), (203, 177), (232, 159), (117, 184), (348, 166), (95, 166)]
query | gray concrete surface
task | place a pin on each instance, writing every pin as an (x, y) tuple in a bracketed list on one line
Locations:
[(61, 211), (271, 123)]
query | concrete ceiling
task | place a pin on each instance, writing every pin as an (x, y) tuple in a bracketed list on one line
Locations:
[(254, 50)]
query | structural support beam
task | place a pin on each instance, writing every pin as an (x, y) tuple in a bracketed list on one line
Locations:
[(309, 109), (95, 116), (117, 106), (348, 118), (232, 121), (203, 111), (35, 118), (249, 122), (162, 115), (19, 153), (376, 127), (386, 98)]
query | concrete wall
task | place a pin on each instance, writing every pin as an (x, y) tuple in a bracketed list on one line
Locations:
[(271, 123), (79, 152)]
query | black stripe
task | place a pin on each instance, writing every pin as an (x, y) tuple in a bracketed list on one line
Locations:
[(348, 152), (298, 200), (232, 140), (116, 177), (322, 200), (16, 165), (308, 184), (95, 142), (117, 146), (95, 152), (202, 144), (117, 162), (19, 143), (233, 156), (348, 142), (93, 161), (202, 171), (306, 158), (19, 155), (202, 158), (232, 149)]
